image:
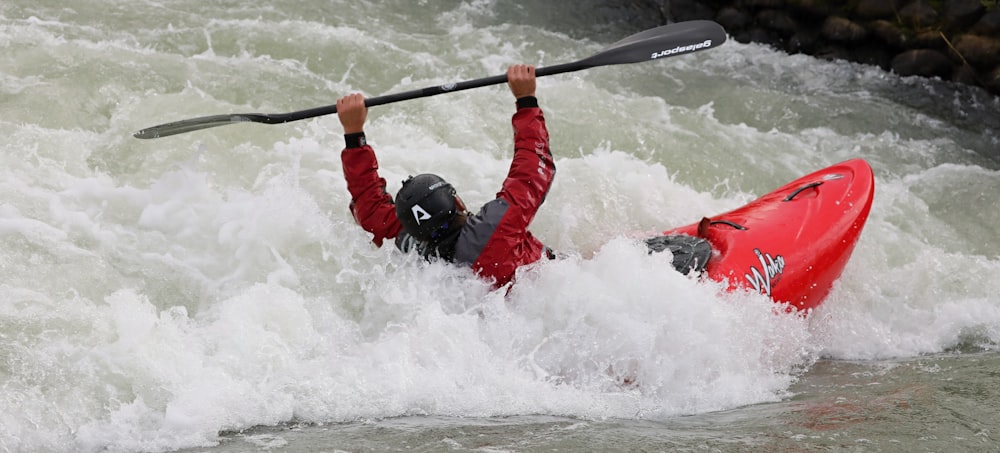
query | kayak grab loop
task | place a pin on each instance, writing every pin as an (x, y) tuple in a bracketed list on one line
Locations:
[(803, 188), (726, 222), (707, 222)]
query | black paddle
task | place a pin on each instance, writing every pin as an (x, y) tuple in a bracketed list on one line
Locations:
[(652, 44)]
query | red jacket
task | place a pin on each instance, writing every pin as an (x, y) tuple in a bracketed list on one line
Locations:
[(496, 240)]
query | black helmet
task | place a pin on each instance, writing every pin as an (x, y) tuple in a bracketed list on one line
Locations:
[(425, 205)]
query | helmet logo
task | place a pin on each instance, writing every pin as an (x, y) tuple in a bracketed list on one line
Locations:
[(419, 213)]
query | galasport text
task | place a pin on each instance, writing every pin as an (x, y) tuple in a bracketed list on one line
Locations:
[(681, 49)]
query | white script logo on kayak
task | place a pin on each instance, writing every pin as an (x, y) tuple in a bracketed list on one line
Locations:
[(770, 273), (682, 49)]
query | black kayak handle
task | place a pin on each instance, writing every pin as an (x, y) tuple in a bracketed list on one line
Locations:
[(800, 189), (726, 222)]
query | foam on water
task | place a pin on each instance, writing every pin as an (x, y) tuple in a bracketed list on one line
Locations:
[(155, 293)]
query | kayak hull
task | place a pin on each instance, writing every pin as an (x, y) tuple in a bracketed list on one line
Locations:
[(793, 243)]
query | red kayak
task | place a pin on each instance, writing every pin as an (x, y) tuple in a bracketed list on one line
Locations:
[(791, 244)]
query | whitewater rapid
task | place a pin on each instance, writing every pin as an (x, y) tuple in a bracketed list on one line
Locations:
[(156, 293)]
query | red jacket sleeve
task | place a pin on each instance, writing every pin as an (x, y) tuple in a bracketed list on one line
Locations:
[(532, 169), (510, 244), (371, 205)]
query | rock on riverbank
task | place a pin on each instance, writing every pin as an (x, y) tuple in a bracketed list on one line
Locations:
[(957, 40)]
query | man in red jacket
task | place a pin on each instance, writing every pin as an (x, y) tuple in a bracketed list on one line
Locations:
[(428, 215)]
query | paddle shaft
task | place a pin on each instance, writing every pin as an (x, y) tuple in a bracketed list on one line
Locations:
[(424, 92)]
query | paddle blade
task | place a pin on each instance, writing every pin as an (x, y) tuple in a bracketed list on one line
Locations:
[(664, 41), (204, 122)]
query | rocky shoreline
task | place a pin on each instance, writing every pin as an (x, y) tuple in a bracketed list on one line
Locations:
[(955, 40)]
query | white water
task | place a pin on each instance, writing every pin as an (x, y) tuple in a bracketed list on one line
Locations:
[(155, 293)]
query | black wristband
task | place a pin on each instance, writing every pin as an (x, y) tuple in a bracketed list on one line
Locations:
[(527, 101), (355, 140)]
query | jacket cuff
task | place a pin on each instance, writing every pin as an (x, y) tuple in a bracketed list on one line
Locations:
[(355, 140), (526, 102)]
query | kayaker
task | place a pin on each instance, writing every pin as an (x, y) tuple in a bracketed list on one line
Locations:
[(428, 215)]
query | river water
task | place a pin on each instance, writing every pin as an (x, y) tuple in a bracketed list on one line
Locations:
[(210, 291)]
